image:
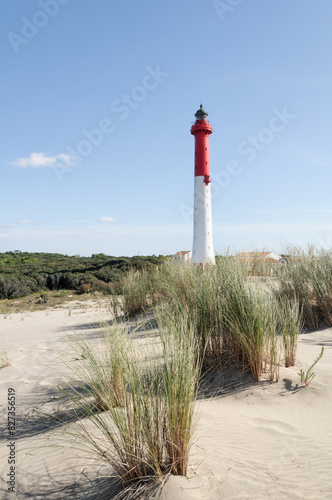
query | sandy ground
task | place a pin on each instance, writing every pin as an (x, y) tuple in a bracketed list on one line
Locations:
[(252, 441)]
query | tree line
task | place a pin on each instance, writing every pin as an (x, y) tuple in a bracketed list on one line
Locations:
[(22, 273)]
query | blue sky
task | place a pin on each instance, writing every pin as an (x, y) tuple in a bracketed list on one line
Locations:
[(98, 98)]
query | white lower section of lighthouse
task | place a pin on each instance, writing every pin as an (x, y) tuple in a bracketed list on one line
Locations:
[(203, 252)]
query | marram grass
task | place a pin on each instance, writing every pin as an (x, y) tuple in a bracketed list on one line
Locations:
[(138, 402), (233, 308), (234, 317), (308, 277)]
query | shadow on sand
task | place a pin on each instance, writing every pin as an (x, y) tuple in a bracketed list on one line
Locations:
[(142, 325), (89, 488), (230, 381)]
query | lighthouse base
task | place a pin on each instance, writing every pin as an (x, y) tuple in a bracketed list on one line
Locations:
[(203, 252)]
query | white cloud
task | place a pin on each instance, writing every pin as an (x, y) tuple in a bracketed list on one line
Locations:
[(40, 160), (28, 222), (107, 219)]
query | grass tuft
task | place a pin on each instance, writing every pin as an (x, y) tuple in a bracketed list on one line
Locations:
[(4, 359), (290, 325), (138, 401)]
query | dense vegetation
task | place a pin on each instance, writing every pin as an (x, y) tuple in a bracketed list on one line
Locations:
[(22, 273)]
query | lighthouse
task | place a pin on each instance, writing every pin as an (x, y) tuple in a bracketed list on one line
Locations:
[(203, 252)]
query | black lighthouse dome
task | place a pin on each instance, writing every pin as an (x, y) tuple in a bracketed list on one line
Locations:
[(201, 114)]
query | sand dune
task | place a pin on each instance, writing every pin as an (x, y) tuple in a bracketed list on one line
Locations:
[(252, 441)]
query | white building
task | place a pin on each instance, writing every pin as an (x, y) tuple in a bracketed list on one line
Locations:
[(184, 256)]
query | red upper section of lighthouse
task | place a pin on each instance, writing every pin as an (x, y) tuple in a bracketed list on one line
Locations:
[(201, 130)]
